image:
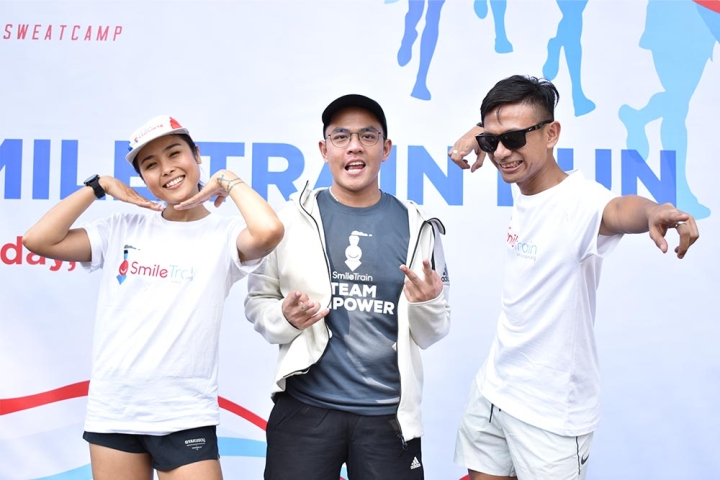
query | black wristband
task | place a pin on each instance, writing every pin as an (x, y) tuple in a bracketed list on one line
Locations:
[(94, 183)]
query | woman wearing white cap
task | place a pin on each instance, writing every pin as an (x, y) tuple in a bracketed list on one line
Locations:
[(152, 402)]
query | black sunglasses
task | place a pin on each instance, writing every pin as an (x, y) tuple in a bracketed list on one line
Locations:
[(512, 140)]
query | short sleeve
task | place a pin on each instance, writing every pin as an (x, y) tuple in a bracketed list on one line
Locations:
[(98, 233), (593, 200), (241, 269)]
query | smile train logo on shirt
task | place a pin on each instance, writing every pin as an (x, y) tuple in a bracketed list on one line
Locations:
[(353, 253), (527, 250), (123, 269)]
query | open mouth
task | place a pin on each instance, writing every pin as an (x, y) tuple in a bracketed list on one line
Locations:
[(510, 165), (174, 182), (355, 166)]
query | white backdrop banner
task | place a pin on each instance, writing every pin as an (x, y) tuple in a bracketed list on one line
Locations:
[(638, 108)]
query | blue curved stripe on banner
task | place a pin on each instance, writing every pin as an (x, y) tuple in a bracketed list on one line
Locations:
[(229, 447), (241, 447), (82, 473)]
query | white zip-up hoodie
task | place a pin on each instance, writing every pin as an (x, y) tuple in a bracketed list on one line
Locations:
[(300, 263)]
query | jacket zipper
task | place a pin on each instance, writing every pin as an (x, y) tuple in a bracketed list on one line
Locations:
[(397, 351)]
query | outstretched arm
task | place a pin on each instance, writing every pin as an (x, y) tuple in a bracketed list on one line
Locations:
[(264, 230), (52, 236), (464, 146), (634, 214)]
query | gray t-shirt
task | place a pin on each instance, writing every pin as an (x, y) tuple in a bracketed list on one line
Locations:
[(358, 372)]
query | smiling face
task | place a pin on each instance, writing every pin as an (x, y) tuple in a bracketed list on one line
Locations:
[(355, 167), (533, 166), (169, 168)]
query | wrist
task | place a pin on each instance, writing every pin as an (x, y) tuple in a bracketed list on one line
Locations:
[(104, 181), (232, 184), (94, 183)]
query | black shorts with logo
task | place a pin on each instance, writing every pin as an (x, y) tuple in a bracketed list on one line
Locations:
[(166, 451)]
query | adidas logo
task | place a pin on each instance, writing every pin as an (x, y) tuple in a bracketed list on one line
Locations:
[(445, 278), (415, 464)]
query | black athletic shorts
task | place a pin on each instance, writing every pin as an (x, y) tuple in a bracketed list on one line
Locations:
[(166, 451)]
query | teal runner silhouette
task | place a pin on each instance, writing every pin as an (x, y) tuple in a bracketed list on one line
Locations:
[(681, 36), (567, 38), (502, 44), (427, 42)]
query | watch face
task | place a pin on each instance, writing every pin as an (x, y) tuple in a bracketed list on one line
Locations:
[(94, 183), (91, 178)]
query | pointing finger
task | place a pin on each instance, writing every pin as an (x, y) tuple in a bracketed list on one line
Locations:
[(688, 235), (684, 244)]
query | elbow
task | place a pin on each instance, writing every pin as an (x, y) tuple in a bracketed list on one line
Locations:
[(274, 235), (30, 241)]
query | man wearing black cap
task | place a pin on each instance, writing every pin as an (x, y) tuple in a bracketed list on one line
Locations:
[(350, 295)]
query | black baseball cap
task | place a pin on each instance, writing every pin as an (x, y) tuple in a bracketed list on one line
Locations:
[(354, 100)]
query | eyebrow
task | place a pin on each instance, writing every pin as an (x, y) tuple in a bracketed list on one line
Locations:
[(173, 145), (366, 129)]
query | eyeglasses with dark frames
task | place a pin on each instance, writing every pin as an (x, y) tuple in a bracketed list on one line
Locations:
[(341, 138), (512, 140)]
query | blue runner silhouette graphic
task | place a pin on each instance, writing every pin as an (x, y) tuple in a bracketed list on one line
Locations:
[(567, 38), (502, 44), (681, 36), (427, 42)]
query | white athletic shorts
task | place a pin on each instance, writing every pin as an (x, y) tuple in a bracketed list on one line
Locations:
[(491, 441)]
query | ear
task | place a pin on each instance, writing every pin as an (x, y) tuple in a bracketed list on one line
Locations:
[(198, 158), (387, 148), (553, 134), (323, 149)]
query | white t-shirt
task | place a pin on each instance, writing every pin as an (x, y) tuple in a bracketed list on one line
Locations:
[(543, 367), (162, 291)]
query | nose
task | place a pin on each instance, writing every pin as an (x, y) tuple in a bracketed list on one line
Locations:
[(501, 152), (167, 168), (355, 143)]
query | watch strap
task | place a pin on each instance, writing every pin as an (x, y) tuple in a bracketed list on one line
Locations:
[(94, 183)]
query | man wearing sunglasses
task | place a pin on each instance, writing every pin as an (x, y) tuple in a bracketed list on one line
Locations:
[(350, 298), (534, 404)]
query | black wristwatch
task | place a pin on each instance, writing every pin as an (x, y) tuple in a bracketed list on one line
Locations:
[(94, 183)]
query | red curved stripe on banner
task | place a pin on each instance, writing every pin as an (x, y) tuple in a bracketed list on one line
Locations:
[(243, 412), (713, 5), (12, 405)]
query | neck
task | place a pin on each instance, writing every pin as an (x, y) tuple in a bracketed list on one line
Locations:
[(356, 199), (191, 215), (545, 179)]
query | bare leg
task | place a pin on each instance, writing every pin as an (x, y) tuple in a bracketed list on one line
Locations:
[(111, 464), (205, 470)]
